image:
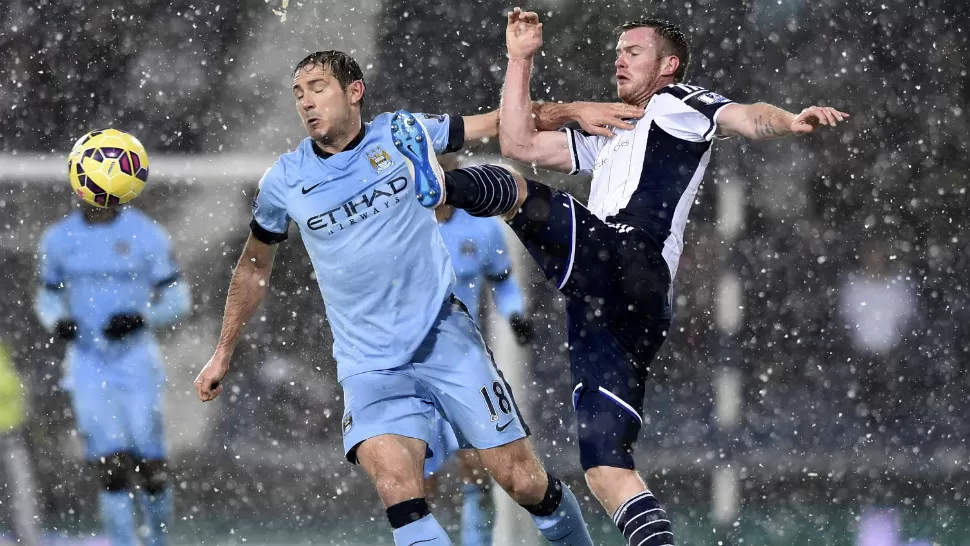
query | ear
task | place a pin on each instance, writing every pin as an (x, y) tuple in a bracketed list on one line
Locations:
[(671, 64), (355, 91)]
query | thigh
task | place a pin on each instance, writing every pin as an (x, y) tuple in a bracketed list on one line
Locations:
[(608, 427), (100, 419), (585, 256), (467, 386), (385, 402), (145, 420)]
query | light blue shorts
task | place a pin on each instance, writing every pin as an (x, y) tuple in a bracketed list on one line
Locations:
[(452, 373), (114, 419)]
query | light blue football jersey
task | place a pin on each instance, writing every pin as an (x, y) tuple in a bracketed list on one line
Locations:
[(102, 270), (480, 256), (379, 260)]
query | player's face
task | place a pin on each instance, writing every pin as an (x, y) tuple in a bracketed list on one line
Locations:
[(323, 106), (639, 64)]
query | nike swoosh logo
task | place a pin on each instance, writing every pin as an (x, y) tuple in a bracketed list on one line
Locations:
[(501, 428), (421, 542), (308, 190), (412, 149)]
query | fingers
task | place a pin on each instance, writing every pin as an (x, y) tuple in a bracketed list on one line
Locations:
[(206, 388), (620, 123), (529, 17), (628, 111), (514, 16), (598, 130)]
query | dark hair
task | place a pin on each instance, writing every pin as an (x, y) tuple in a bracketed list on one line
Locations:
[(343, 67), (675, 41)]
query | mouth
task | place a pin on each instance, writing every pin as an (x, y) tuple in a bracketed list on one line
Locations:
[(620, 79), (312, 122)]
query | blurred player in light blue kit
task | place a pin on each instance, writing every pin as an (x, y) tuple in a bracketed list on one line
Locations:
[(481, 258), (108, 278)]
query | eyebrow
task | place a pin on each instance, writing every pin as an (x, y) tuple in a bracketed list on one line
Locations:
[(308, 83), (628, 47)]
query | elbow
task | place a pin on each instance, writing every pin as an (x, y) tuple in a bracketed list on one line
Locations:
[(516, 150)]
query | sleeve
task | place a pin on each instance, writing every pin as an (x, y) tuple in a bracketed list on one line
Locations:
[(584, 149), (690, 112), (270, 219), (163, 267), (447, 132), (506, 291), (50, 272)]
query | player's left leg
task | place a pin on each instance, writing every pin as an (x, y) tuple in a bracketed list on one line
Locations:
[(471, 393), (145, 407)]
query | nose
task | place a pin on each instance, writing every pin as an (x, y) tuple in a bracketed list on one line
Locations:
[(620, 63), (305, 103)]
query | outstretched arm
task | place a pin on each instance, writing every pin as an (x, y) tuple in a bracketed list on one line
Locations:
[(250, 281), (763, 121)]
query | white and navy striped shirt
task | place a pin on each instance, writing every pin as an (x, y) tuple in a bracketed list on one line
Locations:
[(648, 177)]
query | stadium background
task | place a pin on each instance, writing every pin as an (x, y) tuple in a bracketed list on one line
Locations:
[(819, 440)]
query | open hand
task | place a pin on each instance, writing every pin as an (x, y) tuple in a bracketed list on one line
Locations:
[(813, 116)]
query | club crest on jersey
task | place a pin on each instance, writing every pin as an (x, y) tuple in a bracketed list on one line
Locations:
[(122, 248), (711, 97), (468, 248), (380, 160)]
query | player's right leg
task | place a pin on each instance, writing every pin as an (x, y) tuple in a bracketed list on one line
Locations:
[(471, 393), (99, 419), (388, 426)]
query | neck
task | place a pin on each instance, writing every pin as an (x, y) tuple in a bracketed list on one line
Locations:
[(341, 139), (94, 215), (642, 100), (444, 213)]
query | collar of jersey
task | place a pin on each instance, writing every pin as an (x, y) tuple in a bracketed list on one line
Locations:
[(350, 146)]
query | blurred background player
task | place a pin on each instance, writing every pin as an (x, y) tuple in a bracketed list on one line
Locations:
[(15, 468), (108, 278), (480, 257)]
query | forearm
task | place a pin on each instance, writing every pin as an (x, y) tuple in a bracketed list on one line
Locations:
[(171, 304), (246, 291), (767, 121), (517, 125), (508, 297), (50, 308), (481, 126)]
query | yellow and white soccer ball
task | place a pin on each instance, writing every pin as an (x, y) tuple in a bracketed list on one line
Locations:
[(108, 168)]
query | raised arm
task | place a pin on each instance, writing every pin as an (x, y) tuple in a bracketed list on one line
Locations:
[(518, 136), (763, 121), (250, 281)]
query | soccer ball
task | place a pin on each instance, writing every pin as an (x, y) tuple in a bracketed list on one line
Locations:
[(108, 168)]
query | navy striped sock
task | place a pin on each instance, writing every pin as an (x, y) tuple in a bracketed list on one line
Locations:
[(643, 522), (482, 190)]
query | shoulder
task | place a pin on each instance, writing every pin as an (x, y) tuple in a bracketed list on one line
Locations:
[(145, 224), (688, 96), (58, 230)]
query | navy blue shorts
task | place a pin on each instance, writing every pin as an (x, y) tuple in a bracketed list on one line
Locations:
[(617, 286)]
